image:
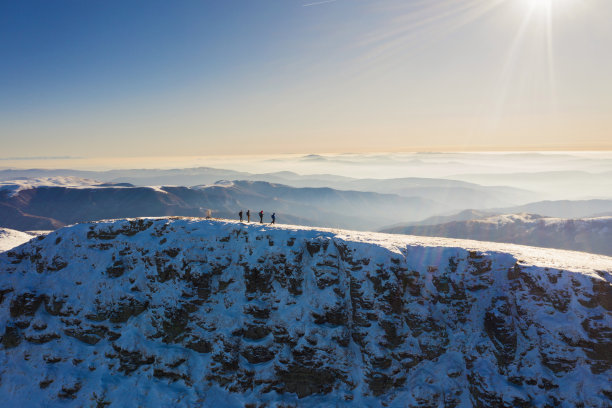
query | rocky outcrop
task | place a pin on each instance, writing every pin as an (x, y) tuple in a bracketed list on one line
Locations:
[(199, 313)]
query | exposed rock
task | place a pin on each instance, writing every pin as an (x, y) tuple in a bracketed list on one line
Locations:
[(126, 308), (258, 354), (69, 391), (42, 338), (11, 337), (130, 228), (25, 304), (499, 326), (130, 361), (305, 381), (89, 336)]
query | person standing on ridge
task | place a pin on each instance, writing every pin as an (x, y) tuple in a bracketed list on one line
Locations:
[(240, 214), (261, 217), (273, 218), (248, 215)]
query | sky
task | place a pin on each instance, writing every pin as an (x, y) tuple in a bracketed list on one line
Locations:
[(91, 79)]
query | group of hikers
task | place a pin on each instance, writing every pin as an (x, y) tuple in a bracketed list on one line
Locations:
[(261, 214)]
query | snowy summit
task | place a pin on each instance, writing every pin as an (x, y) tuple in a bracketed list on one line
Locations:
[(189, 312)]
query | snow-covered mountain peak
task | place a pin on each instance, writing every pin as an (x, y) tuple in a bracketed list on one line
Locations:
[(190, 312)]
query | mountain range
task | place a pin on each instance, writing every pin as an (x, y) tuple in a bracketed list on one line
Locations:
[(28, 206), (458, 195)]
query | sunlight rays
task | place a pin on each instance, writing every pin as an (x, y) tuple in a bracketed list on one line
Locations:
[(509, 68), (422, 19), (538, 21), (528, 65), (551, 56)]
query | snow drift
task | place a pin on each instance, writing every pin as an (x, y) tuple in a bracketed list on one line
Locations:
[(186, 312)]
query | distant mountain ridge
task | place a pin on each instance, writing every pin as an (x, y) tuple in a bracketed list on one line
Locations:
[(583, 234), (464, 215), (457, 195), (49, 206), (561, 208)]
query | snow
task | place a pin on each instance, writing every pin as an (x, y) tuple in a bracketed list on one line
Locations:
[(220, 183), (159, 189), (534, 219), (592, 224), (9, 238), (332, 264), (543, 257)]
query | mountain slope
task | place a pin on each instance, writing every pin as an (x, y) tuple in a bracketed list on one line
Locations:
[(585, 234), (183, 312), (14, 218), (9, 238)]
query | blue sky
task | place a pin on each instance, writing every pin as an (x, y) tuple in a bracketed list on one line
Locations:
[(69, 51), (138, 78)]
